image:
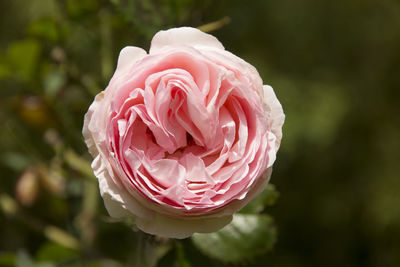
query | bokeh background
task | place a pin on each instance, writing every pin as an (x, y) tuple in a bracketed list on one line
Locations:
[(335, 66)]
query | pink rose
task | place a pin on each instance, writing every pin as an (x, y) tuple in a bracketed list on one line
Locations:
[(184, 136)]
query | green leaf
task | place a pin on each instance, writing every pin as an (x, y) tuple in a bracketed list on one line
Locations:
[(53, 82), (115, 2), (247, 236), (4, 68), (45, 27), (266, 198), (81, 7), (54, 252), (40, 8), (14, 160), (7, 259), (23, 259), (23, 57), (181, 260)]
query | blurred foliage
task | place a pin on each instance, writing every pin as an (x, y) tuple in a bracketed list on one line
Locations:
[(335, 67)]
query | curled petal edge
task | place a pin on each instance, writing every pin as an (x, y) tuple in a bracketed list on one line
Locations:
[(277, 116), (90, 142)]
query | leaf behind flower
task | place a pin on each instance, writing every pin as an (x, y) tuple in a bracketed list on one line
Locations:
[(247, 236), (265, 199)]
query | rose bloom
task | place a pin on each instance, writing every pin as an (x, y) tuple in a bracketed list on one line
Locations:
[(184, 136)]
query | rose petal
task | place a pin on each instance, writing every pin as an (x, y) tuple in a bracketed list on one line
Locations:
[(181, 228), (118, 203), (87, 133), (128, 56), (183, 36), (277, 117)]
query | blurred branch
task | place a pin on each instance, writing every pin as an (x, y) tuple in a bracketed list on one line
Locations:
[(149, 250), (61, 237), (212, 26), (90, 197), (84, 220), (78, 163)]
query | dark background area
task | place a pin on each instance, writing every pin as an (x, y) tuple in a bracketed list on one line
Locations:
[(334, 65)]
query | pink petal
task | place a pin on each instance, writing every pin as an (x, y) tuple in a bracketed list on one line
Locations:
[(128, 56), (183, 36)]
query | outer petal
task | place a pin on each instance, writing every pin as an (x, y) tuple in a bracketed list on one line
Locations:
[(183, 36), (118, 203), (277, 116), (90, 142), (128, 56), (181, 228)]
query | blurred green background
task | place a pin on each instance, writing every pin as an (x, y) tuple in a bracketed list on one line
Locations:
[(334, 65)]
